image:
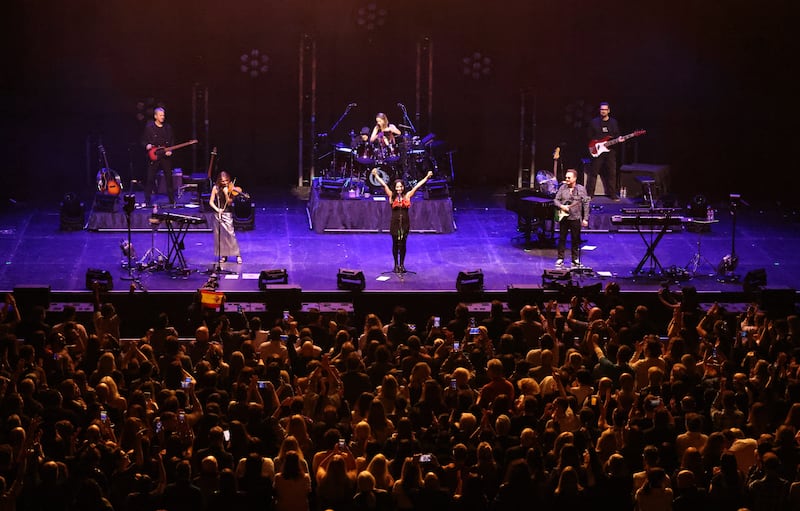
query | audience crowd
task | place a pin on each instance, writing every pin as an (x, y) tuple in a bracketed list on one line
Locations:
[(588, 405)]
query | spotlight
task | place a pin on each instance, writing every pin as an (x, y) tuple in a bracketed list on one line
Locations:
[(469, 281), (268, 277), (352, 280)]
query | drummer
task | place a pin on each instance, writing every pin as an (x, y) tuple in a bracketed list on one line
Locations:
[(384, 133), (360, 143)]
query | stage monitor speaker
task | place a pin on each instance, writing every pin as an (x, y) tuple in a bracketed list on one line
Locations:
[(280, 297), (520, 295), (106, 203), (244, 214), (161, 182), (470, 281), (29, 296), (754, 280), (267, 277), (350, 280), (659, 173), (100, 277), (778, 301), (437, 189)]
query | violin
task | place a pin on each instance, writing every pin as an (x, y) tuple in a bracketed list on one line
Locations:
[(236, 191)]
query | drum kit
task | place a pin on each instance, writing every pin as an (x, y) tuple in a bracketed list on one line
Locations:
[(409, 159)]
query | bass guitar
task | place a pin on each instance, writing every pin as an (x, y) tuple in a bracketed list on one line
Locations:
[(601, 145), (108, 181), (157, 152)]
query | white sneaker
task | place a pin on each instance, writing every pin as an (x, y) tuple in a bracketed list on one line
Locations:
[(559, 262), (576, 264)]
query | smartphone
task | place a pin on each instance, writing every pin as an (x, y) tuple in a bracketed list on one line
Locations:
[(158, 426), (185, 383), (286, 315), (437, 321), (473, 330), (412, 327), (284, 337), (453, 384), (424, 458), (147, 396), (456, 346), (472, 323), (238, 308), (744, 334), (655, 403), (182, 416), (55, 356), (226, 434), (342, 443), (103, 415), (262, 384)]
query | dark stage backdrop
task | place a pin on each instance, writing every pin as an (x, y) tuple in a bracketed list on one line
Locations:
[(709, 81)]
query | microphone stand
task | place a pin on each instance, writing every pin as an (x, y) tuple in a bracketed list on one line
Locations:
[(128, 206)]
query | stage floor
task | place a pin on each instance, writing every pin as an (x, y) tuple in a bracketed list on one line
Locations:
[(35, 251)]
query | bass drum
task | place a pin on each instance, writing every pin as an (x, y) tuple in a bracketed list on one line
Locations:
[(373, 180), (546, 183)]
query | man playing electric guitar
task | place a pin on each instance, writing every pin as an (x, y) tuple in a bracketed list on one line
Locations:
[(605, 165), (158, 133), (572, 213)]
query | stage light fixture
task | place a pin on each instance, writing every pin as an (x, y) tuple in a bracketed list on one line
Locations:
[(469, 281), (270, 277), (350, 280)]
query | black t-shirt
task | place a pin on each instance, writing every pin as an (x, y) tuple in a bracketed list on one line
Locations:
[(157, 136), (599, 128)]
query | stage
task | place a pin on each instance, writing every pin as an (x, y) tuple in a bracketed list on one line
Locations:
[(37, 253)]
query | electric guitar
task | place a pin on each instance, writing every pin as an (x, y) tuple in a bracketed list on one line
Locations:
[(601, 145), (108, 181), (155, 153), (560, 213)]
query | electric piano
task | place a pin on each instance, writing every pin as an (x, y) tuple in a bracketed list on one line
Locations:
[(534, 212), (649, 219), (177, 227), (178, 218)]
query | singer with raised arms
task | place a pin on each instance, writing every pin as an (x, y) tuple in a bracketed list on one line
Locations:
[(572, 213), (221, 201), (400, 200)]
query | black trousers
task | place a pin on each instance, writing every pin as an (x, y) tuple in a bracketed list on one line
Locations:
[(573, 227), (604, 166), (153, 167)]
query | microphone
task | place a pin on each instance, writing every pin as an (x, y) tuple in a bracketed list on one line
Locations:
[(351, 105)]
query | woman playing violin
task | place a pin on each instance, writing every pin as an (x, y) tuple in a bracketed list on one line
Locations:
[(221, 201)]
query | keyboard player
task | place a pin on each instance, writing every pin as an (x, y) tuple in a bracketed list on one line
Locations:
[(572, 213)]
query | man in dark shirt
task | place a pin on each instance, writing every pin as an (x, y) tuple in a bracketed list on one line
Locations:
[(604, 164), (158, 133)]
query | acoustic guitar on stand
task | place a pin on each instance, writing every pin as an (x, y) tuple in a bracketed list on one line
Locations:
[(108, 181), (601, 145), (158, 152)]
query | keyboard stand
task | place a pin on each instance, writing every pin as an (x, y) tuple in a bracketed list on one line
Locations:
[(651, 244), (175, 259)]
